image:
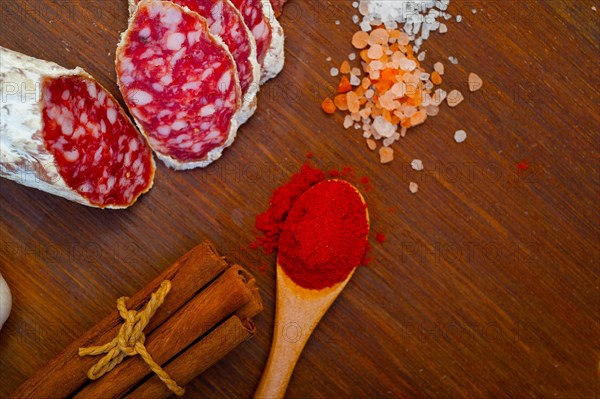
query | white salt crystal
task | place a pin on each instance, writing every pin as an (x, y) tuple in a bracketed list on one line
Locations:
[(460, 136), (417, 164), (407, 64), (388, 141), (459, 18), (453, 60), (334, 72), (426, 101), (348, 122), (354, 80), (413, 187), (378, 65), (352, 56), (438, 97), (383, 127), (432, 110), (363, 8), (418, 17)]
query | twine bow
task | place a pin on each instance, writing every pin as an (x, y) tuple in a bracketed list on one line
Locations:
[(130, 340)]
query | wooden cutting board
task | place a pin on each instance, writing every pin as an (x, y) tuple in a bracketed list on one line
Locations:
[(488, 283)]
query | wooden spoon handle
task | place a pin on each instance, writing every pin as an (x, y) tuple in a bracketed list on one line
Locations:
[(297, 313), (288, 342)]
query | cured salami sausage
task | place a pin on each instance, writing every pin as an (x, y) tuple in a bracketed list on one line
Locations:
[(278, 6), (225, 21), (268, 33), (63, 133), (180, 83)]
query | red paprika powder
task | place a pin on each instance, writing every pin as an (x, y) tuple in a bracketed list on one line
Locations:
[(271, 222), (324, 236)]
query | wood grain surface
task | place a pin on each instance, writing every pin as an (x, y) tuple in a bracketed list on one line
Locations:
[(488, 285)]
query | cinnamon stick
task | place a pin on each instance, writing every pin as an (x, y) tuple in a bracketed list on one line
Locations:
[(253, 307), (67, 371), (198, 358), (213, 304)]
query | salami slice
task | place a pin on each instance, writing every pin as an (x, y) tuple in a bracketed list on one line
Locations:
[(278, 6), (225, 21), (268, 33), (63, 133), (180, 83)]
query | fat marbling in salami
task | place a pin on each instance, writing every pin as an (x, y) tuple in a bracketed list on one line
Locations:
[(180, 82), (63, 133), (224, 20)]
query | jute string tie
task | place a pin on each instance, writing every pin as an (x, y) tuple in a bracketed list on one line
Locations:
[(130, 340)]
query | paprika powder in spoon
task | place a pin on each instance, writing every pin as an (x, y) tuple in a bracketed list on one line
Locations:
[(323, 240), (324, 236)]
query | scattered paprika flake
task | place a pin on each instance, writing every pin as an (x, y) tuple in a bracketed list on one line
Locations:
[(522, 166), (366, 260), (366, 182), (348, 172), (334, 173), (380, 238)]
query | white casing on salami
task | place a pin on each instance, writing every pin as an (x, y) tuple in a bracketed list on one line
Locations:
[(275, 58), (215, 153), (23, 154)]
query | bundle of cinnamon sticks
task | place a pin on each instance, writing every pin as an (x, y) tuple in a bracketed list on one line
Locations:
[(204, 317)]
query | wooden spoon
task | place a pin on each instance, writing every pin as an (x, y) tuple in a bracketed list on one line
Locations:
[(298, 311)]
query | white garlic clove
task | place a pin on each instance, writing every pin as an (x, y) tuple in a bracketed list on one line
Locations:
[(5, 301)]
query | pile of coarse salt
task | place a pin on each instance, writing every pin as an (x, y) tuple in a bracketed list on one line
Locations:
[(418, 18), (392, 92)]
